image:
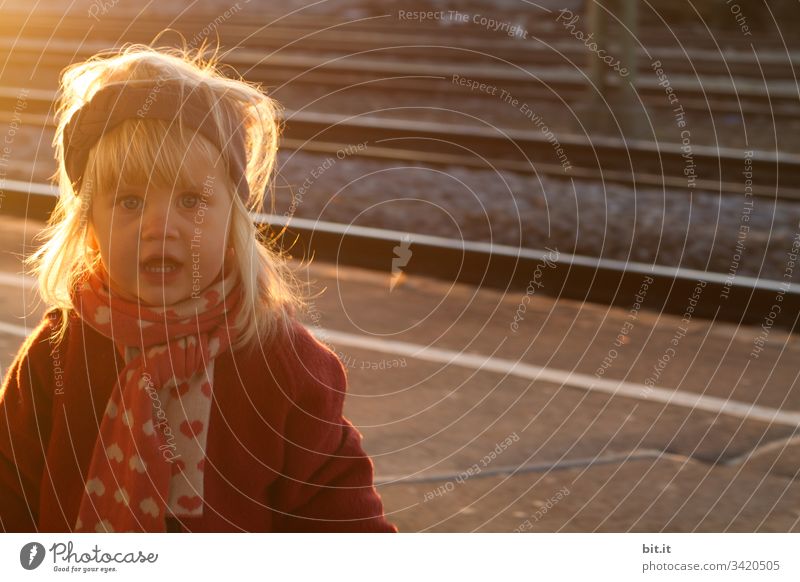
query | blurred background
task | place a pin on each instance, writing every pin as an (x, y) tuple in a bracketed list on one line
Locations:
[(551, 236)]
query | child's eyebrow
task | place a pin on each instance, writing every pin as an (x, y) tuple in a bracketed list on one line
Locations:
[(177, 188), (117, 191), (193, 187)]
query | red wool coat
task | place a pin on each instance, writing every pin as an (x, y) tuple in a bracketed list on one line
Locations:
[(280, 456)]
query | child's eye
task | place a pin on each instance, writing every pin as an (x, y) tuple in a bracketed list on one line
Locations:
[(189, 200), (130, 202)]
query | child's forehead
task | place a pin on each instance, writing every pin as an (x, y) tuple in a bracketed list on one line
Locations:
[(155, 186), (195, 176), (164, 163), (158, 187)]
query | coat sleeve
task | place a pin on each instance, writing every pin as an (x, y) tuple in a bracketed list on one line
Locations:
[(25, 420), (327, 480)]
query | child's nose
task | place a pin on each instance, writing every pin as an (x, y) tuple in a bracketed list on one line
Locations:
[(159, 221)]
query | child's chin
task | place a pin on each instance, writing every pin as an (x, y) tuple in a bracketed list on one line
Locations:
[(159, 298)]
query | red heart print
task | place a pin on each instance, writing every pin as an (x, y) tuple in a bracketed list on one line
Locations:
[(192, 429), (178, 466), (206, 388), (179, 390), (201, 465), (190, 503)]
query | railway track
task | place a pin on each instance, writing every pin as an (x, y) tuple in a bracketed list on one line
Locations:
[(635, 163), (551, 48), (42, 60), (509, 269), (241, 25), (341, 40)]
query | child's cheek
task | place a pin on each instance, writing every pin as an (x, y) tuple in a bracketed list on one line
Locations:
[(208, 260)]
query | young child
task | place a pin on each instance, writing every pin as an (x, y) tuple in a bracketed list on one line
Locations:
[(169, 387)]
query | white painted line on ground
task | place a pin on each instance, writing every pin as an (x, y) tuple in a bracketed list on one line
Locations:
[(563, 378), (521, 370), (17, 330)]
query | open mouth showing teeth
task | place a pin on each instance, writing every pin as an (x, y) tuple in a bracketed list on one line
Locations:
[(160, 267)]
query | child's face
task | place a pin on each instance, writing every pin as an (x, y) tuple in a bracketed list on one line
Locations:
[(159, 245)]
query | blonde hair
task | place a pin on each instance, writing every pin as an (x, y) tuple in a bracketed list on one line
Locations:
[(150, 149)]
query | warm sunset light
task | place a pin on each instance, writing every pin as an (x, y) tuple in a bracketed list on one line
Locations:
[(494, 266)]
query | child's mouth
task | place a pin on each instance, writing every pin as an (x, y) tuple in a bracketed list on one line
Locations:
[(165, 268), (160, 269)]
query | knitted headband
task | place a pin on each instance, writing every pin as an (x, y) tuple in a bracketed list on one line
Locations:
[(166, 100)]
